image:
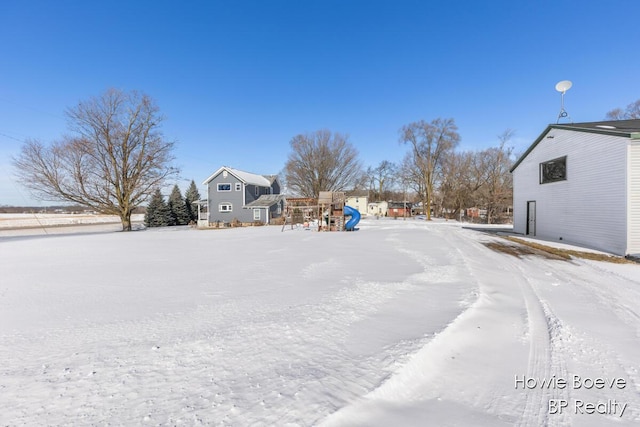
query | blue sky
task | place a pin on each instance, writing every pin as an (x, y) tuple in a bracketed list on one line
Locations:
[(237, 80)]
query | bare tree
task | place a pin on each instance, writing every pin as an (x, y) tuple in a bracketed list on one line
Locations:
[(497, 189), (410, 176), (322, 161), (381, 178), (114, 161), (631, 112), (461, 180), (429, 142)]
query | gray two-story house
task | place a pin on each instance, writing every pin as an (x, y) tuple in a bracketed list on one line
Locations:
[(233, 194)]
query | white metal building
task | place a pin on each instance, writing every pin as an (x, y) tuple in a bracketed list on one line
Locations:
[(580, 184)]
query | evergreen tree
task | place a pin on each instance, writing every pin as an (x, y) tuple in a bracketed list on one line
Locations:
[(192, 195), (157, 214), (177, 208)]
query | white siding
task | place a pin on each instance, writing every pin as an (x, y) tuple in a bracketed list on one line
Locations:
[(590, 207), (520, 194), (633, 230), (359, 203)]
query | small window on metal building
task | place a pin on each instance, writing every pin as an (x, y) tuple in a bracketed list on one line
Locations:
[(553, 170)]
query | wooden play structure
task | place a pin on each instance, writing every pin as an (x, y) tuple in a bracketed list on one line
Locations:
[(331, 206), (326, 213)]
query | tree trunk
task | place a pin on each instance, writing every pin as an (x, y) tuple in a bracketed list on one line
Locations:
[(125, 218)]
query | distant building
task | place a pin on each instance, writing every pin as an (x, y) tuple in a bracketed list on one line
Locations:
[(358, 199), (397, 209), (377, 208)]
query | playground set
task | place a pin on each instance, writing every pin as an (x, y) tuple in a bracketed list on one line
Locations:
[(326, 213)]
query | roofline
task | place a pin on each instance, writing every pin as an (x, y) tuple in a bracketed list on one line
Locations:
[(272, 179), (216, 173), (279, 198), (578, 127), (230, 170)]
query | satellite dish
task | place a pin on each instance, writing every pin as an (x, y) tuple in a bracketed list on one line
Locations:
[(563, 86)]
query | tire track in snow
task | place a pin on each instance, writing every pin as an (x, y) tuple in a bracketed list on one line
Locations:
[(590, 355), (553, 344), (578, 351), (545, 344), (546, 350)]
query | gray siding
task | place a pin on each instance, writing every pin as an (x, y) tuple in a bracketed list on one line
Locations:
[(251, 193), (274, 210), (261, 212), (590, 207), (275, 187), (234, 197), (237, 199), (267, 214)]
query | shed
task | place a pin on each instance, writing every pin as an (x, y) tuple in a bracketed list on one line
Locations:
[(579, 183)]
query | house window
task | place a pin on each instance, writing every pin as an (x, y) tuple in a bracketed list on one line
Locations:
[(553, 170), (257, 190), (238, 186), (225, 207), (256, 214), (279, 209), (224, 187)]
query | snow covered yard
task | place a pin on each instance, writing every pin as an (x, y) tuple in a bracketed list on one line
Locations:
[(401, 323)]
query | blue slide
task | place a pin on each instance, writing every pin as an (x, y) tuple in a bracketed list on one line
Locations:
[(355, 218)]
